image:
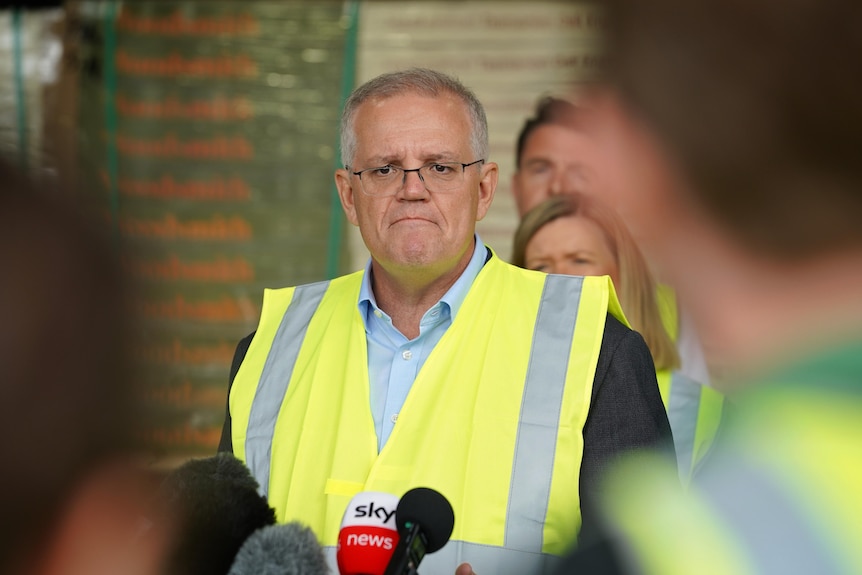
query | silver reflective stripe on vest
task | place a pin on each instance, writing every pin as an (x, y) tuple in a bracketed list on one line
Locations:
[(275, 377), (540, 413), (683, 407), (483, 559)]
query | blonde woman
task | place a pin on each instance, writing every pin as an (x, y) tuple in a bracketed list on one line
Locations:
[(575, 234)]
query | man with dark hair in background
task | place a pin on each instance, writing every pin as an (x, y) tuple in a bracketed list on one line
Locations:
[(552, 156), (737, 129)]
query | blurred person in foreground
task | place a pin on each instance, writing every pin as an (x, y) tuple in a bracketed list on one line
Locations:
[(577, 234), (558, 154), (71, 500), (439, 365), (740, 123)]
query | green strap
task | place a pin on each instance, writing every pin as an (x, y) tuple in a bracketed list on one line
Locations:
[(336, 215), (110, 89), (19, 86)]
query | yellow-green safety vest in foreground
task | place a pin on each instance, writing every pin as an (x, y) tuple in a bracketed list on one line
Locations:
[(693, 408), (784, 497), (493, 421)]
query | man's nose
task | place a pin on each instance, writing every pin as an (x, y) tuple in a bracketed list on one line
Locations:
[(413, 185), (554, 267), (568, 180), (566, 268), (559, 182)]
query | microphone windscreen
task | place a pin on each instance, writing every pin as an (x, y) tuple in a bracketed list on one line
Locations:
[(215, 505), (289, 549), (368, 534), (431, 510)]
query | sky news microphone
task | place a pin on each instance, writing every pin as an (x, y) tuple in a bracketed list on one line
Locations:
[(425, 520), (368, 534), (288, 549)]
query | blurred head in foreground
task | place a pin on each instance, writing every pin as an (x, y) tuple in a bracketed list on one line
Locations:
[(738, 126), (69, 501)]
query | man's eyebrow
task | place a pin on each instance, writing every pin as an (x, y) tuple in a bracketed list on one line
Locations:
[(536, 162), (441, 157), (377, 161)]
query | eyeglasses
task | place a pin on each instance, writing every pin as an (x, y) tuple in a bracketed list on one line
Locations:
[(438, 177)]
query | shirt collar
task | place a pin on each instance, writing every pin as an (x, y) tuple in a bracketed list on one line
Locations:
[(453, 298)]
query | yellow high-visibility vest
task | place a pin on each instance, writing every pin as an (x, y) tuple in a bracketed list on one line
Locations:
[(693, 408), (493, 421), (780, 495)]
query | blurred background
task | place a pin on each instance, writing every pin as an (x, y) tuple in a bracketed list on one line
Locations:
[(206, 135)]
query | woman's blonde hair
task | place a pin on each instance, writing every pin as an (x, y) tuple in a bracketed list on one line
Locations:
[(637, 289)]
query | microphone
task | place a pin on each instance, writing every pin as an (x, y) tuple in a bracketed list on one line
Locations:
[(425, 520), (368, 534), (210, 507), (288, 549)]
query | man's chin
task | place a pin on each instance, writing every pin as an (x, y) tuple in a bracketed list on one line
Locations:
[(414, 258), (418, 257)]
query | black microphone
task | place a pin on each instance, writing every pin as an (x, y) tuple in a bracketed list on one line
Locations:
[(289, 549), (425, 520), (211, 506)]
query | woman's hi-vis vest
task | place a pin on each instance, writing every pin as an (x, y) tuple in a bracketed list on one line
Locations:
[(693, 408), (493, 421)]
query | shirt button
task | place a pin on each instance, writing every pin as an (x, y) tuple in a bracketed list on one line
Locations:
[(435, 313), (378, 313), (394, 418), (407, 354)]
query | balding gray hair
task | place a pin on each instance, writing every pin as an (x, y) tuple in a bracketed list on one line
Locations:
[(416, 81)]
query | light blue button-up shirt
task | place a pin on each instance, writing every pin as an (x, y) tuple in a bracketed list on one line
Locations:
[(393, 360)]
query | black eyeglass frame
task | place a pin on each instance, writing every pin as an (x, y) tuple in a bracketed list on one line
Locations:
[(417, 170)]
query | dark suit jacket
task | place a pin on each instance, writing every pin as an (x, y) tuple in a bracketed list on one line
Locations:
[(626, 411)]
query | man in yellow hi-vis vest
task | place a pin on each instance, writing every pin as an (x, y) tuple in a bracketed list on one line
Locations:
[(439, 365), (556, 154), (738, 130)]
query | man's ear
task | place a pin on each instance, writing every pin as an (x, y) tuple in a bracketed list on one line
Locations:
[(346, 195), (487, 187)]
